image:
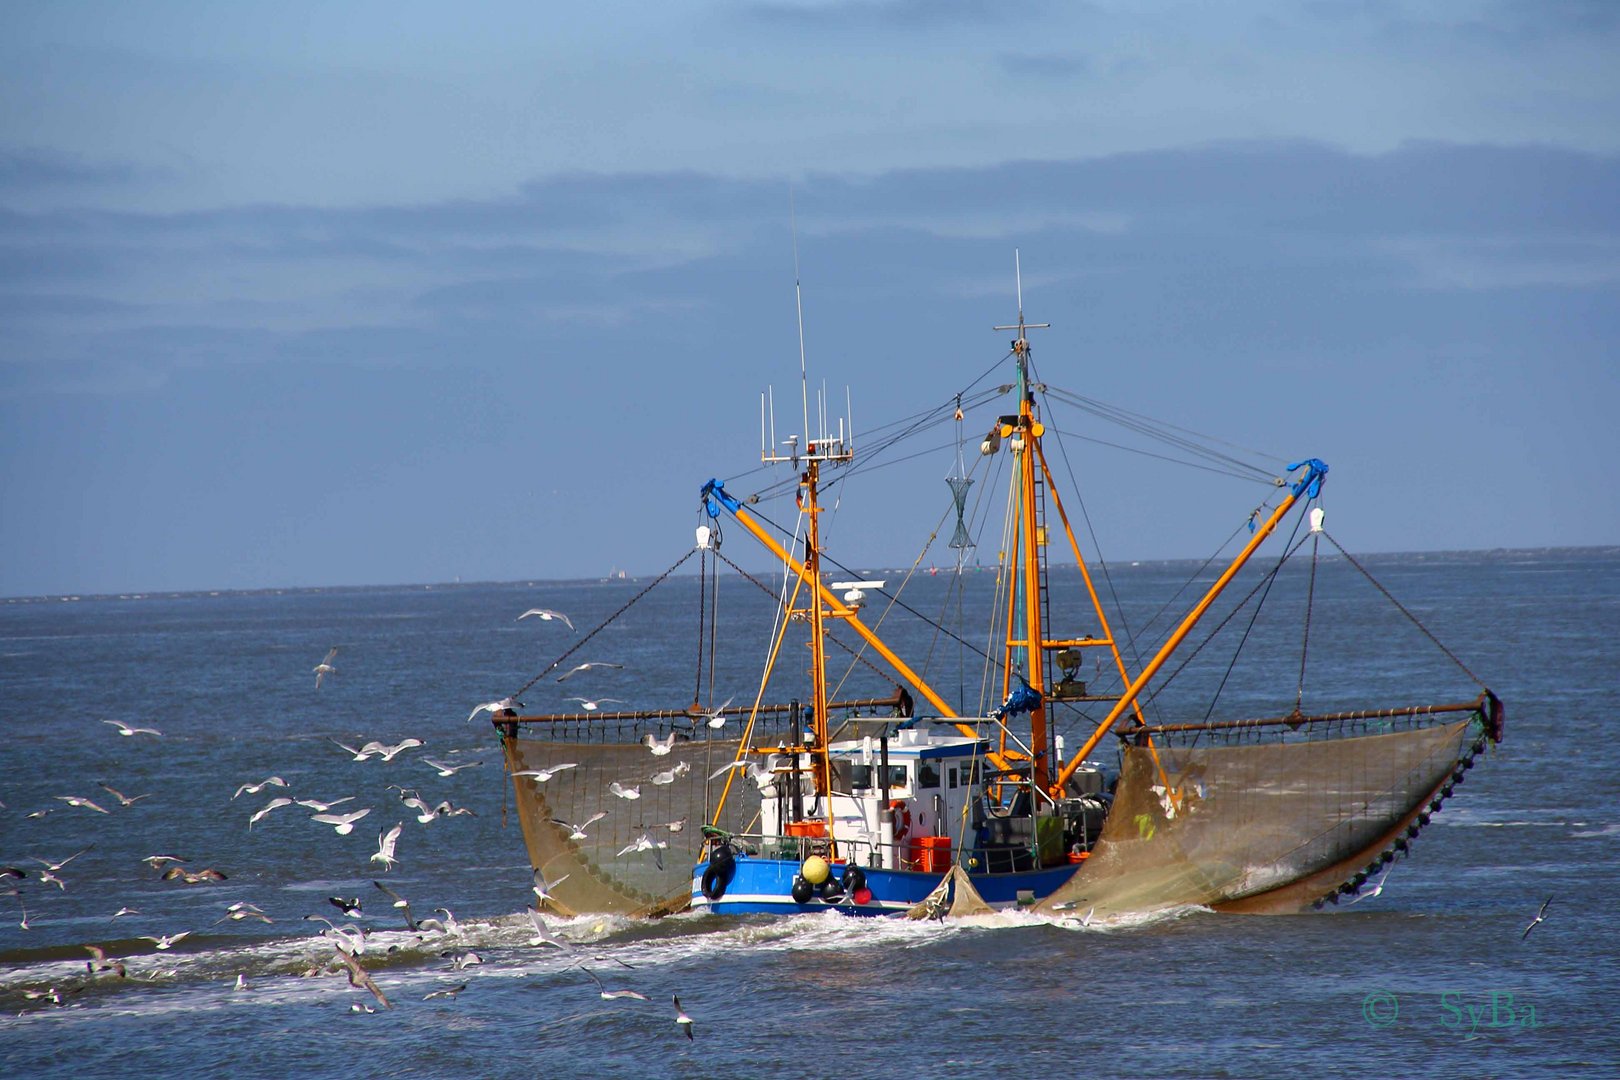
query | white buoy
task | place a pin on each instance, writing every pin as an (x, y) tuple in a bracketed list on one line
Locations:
[(1317, 514)]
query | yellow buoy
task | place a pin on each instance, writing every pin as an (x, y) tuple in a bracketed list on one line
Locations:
[(815, 870)]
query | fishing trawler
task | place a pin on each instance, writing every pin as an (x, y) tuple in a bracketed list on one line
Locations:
[(905, 804)]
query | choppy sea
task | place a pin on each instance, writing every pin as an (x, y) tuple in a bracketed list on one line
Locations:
[(1434, 976)]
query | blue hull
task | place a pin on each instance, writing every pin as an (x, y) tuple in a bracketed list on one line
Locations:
[(762, 886)]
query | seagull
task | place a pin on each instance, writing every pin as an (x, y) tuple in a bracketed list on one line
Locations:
[(48, 877), (352, 936), (273, 804), (543, 890), (41, 813), (363, 754), (506, 704), (1541, 916), (591, 706), (55, 866), (542, 775), (389, 752), (427, 813), (645, 842), (625, 792), (156, 861), (577, 832), (660, 747), (322, 807), (343, 823), (205, 874), (241, 982), (543, 936), (669, 776), (680, 1016), (449, 992), (351, 908), (241, 911), (611, 995), (166, 941), (123, 800), (1376, 889), (577, 668), (122, 912), (125, 729), (755, 769), (716, 718), (449, 770), (446, 809), (546, 615), (672, 826), (101, 963), (400, 904), (254, 789), (385, 846), (463, 960), (75, 800), (450, 925), (360, 980), (325, 668)]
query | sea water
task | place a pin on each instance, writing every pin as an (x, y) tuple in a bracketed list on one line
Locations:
[(1434, 976)]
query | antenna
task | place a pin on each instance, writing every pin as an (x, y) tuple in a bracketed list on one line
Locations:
[(798, 300)]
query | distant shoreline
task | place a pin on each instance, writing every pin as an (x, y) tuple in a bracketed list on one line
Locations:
[(1605, 550)]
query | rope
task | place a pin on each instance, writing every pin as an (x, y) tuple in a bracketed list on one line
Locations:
[(627, 605), (1271, 579), (703, 581), (1399, 607), (1310, 600)]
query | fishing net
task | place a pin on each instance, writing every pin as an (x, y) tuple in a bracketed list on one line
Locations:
[(954, 895), (1262, 822), (596, 873)]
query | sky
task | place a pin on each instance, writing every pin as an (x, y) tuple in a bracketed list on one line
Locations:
[(320, 295)]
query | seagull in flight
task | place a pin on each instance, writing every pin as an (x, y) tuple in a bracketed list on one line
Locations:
[(343, 823), (645, 842), (546, 615), (325, 668), (611, 995), (543, 890), (716, 718), (577, 832), (385, 846), (1541, 916), (588, 665), (360, 980), (123, 911), (207, 873), (449, 770), (625, 792), (322, 807), (755, 769), (669, 776), (243, 910), (542, 775), (166, 941), (672, 826), (351, 908), (254, 789), (449, 992), (592, 706), (123, 800), (273, 804), (55, 866), (155, 861), (680, 1016), (400, 904), (506, 704), (75, 800), (660, 747), (389, 753), (1376, 889), (125, 729), (543, 935)]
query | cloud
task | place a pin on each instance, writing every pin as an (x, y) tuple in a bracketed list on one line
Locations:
[(862, 15)]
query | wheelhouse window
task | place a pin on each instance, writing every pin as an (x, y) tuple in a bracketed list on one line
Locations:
[(866, 777), (927, 774)]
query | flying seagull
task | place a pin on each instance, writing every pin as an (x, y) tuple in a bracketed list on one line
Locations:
[(385, 846), (449, 770), (343, 823), (611, 995), (543, 936), (542, 775), (506, 704), (546, 615), (1541, 916), (680, 1016), (75, 800), (123, 800), (577, 832), (125, 729), (542, 890), (360, 980), (55, 866), (449, 992), (254, 789), (592, 706), (625, 792), (325, 668), (207, 873), (716, 718), (645, 842), (322, 807), (588, 665), (351, 908), (400, 904), (1376, 889), (390, 752), (755, 769), (659, 747), (669, 776), (273, 804), (166, 941)]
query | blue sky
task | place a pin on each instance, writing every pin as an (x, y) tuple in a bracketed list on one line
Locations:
[(320, 295)]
